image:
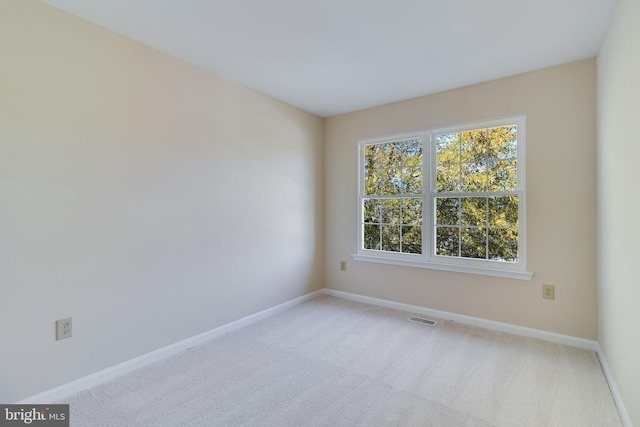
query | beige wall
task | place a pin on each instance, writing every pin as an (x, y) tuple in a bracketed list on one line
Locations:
[(560, 107), (152, 201), (148, 199), (619, 201)]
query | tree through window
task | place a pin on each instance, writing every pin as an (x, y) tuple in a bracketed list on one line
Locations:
[(476, 203), (392, 205), (446, 196)]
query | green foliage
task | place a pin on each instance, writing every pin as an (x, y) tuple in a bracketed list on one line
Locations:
[(476, 211), (479, 226), (393, 169), (477, 161)]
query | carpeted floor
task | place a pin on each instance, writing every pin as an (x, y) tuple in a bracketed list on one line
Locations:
[(331, 362)]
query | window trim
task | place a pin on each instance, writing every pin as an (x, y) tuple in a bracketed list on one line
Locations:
[(428, 259)]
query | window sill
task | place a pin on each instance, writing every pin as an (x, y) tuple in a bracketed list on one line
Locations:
[(512, 274)]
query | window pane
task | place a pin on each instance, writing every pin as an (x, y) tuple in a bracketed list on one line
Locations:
[(503, 211), (391, 238), (447, 210), (503, 142), (448, 148), (379, 181), (369, 156), (474, 177), (503, 175), (384, 155), (390, 211), (447, 177), (474, 211), (413, 153), (395, 151), (411, 180), (474, 146), (503, 245), (381, 156), (372, 157), (372, 236), (371, 211), (412, 211), (412, 239), (399, 148), (395, 184), (373, 181), (473, 243), (447, 241)]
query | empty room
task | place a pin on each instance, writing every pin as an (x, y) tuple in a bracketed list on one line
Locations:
[(327, 213)]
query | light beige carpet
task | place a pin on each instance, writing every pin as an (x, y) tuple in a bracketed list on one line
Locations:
[(331, 362)]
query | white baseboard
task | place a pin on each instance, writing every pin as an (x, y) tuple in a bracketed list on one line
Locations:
[(469, 320), (613, 386), (61, 392)]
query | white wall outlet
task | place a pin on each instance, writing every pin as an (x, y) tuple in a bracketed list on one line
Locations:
[(548, 292), (63, 328), (343, 265)]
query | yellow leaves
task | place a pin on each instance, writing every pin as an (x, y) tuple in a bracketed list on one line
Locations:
[(477, 227), (393, 224), (477, 160), (393, 167), (476, 172)]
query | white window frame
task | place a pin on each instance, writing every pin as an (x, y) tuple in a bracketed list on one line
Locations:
[(428, 258)]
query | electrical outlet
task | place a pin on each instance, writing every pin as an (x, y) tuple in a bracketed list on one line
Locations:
[(343, 265), (63, 328), (548, 292)]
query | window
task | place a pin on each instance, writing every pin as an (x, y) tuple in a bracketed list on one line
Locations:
[(449, 198), (392, 201)]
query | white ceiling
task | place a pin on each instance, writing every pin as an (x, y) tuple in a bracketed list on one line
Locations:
[(334, 56)]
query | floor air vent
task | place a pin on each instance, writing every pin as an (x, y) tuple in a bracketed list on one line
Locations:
[(423, 320)]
